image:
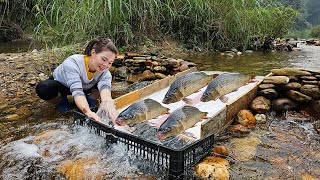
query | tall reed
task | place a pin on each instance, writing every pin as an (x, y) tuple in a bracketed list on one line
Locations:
[(207, 23)]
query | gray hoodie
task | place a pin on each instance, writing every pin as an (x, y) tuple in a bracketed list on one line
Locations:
[(72, 73)]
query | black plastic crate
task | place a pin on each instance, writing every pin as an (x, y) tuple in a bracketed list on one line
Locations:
[(178, 162)]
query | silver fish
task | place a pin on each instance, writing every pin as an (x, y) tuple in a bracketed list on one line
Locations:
[(180, 120), (141, 111), (186, 85), (223, 84)]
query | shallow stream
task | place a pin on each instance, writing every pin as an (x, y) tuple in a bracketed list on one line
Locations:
[(47, 145)]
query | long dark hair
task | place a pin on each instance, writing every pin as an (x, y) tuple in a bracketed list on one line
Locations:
[(100, 44)]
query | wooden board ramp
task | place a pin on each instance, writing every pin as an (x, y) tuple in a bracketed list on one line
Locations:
[(219, 114)]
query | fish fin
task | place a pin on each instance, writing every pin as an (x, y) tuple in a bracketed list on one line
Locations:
[(214, 75), (187, 136), (187, 101), (130, 129), (224, 99)]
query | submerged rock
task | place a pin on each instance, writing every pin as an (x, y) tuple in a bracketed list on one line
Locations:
[(214, 168), (283, 104)]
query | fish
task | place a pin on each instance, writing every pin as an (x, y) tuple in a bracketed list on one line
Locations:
[(180, 120), (141, 111), (224, 84), (186, 85)]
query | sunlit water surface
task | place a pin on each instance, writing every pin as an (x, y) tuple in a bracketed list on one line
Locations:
[(288, 149)]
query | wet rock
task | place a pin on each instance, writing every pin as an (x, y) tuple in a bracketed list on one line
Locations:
[(309, 82), (266, 86), (261, 118), (268, 93), (293, 79), (214, 168), (290, 72), (146, 75), (244, 149), (160, 75), (220, 151), (246, 118), (283, 104), (299, 97), (315, 108), (276, 80), (260, 104), (120, 73), (238, 129), (80, 169), (292, 86), (311, 90), (160, 69), (12, 117), (24, 112), (308, 78)]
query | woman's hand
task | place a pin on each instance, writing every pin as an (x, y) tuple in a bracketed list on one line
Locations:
[(93, 115), (109, 109)]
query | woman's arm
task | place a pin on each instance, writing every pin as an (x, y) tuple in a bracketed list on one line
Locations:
[(83, 105)]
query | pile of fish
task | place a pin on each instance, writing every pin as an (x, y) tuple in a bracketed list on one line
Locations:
[(186, 116)]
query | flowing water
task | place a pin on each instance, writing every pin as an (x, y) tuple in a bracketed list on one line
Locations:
[(47, 145)]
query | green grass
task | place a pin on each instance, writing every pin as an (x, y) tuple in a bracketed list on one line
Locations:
[(205, 23)]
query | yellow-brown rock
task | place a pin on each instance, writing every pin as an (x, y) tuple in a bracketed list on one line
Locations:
[(79, 169), (290, 72), (244, 149), (47, 134), (220, 151), (238, 128), (246, 118), (12, 117), (213, 168), (276, 80)]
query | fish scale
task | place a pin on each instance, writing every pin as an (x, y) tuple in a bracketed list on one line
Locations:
[(141, 111), (180, 120), (185, 86), (223, 84)]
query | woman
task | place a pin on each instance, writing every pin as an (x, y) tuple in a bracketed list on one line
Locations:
[(86, 77)]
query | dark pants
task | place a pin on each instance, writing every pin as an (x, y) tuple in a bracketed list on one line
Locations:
[(49, 89)]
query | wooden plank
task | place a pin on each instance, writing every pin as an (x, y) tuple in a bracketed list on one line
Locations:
[(214, 124), (242, 103), (126, 99)]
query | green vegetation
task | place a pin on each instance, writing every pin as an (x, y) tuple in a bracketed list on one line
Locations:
[(315, 32), (304, 34), (211, 24)]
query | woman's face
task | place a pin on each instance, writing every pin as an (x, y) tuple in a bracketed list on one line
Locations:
[(102, 60)]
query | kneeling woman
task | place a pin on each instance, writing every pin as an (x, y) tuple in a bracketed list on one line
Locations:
[(84, 76)]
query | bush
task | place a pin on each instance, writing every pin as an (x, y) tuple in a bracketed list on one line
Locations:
[(315, 32)]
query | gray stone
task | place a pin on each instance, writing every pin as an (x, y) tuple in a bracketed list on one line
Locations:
[(268, 93), (283, 104), (276, 80), (298, 96), (266, 86), (311, 90)]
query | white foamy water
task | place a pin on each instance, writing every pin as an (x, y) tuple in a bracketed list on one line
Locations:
[(40, 156)]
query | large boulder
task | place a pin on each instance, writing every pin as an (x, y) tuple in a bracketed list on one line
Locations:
[(260, 105)]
